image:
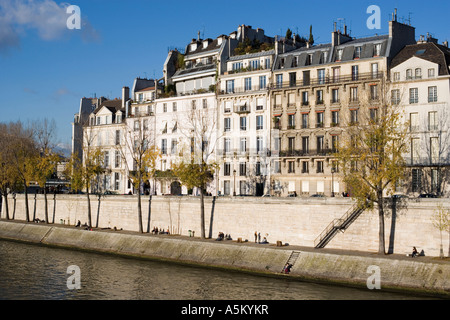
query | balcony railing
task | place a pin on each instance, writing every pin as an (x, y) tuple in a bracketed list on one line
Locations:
[(306, 153), (237, 90), (330, 80)]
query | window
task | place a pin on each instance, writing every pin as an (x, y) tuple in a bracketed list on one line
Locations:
[(205, 103), (226, 145), (175, 127), (418, 73), (230, 86), (408, 74), (237, 66), (136, 125), (374, 92), (320, 118), (321, 76), (145, 122), (413, 95), (227, 169), (335, 96), (291, 100), (414, 121), (248, 84), (276, 167), (291, 166), (435, 181), (305, 145), (305, 120), (355, 73), (336, 74), (164, 146), (259, 144), (416, 180), (377, 50), (243, 145), (262, 82), (305, 100), (226, 187), (309, 59), (243, 123), (242, 169), (259, 122), (357, 53), (259, 104), (432, 94), (319, 96), (432, 121), (117, 137), (164, 107), (431, 73), (119, 118), (354, 94), (305, 167), (395, 97), (334, 143), (339, 54), (320, 144), (174, 106), (374, 70), (106, 164), (434, 150), (227, 124), (306, 78), (194, 104), (267, 63), (291, 144), (319, 166), (258, 169), (292, 79), (117, 159), (279, 80), (254, 64), (173, 147), (116, 181), (227, 107), (373, 113), (415, 150), (354, 116), (334, 118), (396, 76), (291, 121)]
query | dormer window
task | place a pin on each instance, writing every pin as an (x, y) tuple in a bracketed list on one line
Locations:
[(339, 54), (357, 54), (377, 50)]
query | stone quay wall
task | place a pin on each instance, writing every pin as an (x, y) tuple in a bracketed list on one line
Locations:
[(293, 221)]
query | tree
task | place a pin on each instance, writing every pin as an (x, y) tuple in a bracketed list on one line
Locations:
[(370, 155), (141, 155), (82, 170), (311, 37), (288, 34), (197, 168), (441, 221), (46, 160)]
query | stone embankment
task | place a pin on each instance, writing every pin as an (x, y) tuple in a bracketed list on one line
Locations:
[(394, 272)]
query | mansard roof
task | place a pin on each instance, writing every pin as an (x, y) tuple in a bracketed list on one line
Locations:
[(429, 51)]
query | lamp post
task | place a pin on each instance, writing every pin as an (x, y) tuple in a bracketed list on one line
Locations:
[(234, 183), (333, 170)]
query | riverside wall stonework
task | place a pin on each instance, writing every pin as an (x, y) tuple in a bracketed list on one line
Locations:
[(294, 221)]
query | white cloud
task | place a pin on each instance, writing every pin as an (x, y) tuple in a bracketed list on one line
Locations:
[(47, 18)]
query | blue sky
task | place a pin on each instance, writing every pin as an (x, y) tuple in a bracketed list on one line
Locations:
[(45, 68)]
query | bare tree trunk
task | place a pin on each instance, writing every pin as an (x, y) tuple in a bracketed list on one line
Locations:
[(5, 203), (141, 230), (98, 209), (34, 209), (27, 209), (202, 213), (54, 206), (381, 241), (46, 205), (89, 208)]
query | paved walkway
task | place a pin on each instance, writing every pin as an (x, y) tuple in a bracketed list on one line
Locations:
[(271, 245)]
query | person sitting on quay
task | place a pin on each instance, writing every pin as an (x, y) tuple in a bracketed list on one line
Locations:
[(220, 237)]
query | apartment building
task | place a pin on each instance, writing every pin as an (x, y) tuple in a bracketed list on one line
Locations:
[(317, 92), (420, 77)]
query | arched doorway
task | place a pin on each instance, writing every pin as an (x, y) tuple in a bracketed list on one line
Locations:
[(175, 188)]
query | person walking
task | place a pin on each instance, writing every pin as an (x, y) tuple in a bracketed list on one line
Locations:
[(256, 236), (259, 237)]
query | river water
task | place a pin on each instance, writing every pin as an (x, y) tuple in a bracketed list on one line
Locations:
[(32, 272)]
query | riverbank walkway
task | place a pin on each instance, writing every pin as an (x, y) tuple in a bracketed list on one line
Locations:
[(252, 243)]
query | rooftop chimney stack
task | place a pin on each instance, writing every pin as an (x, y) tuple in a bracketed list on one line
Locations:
[(125, 96)]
